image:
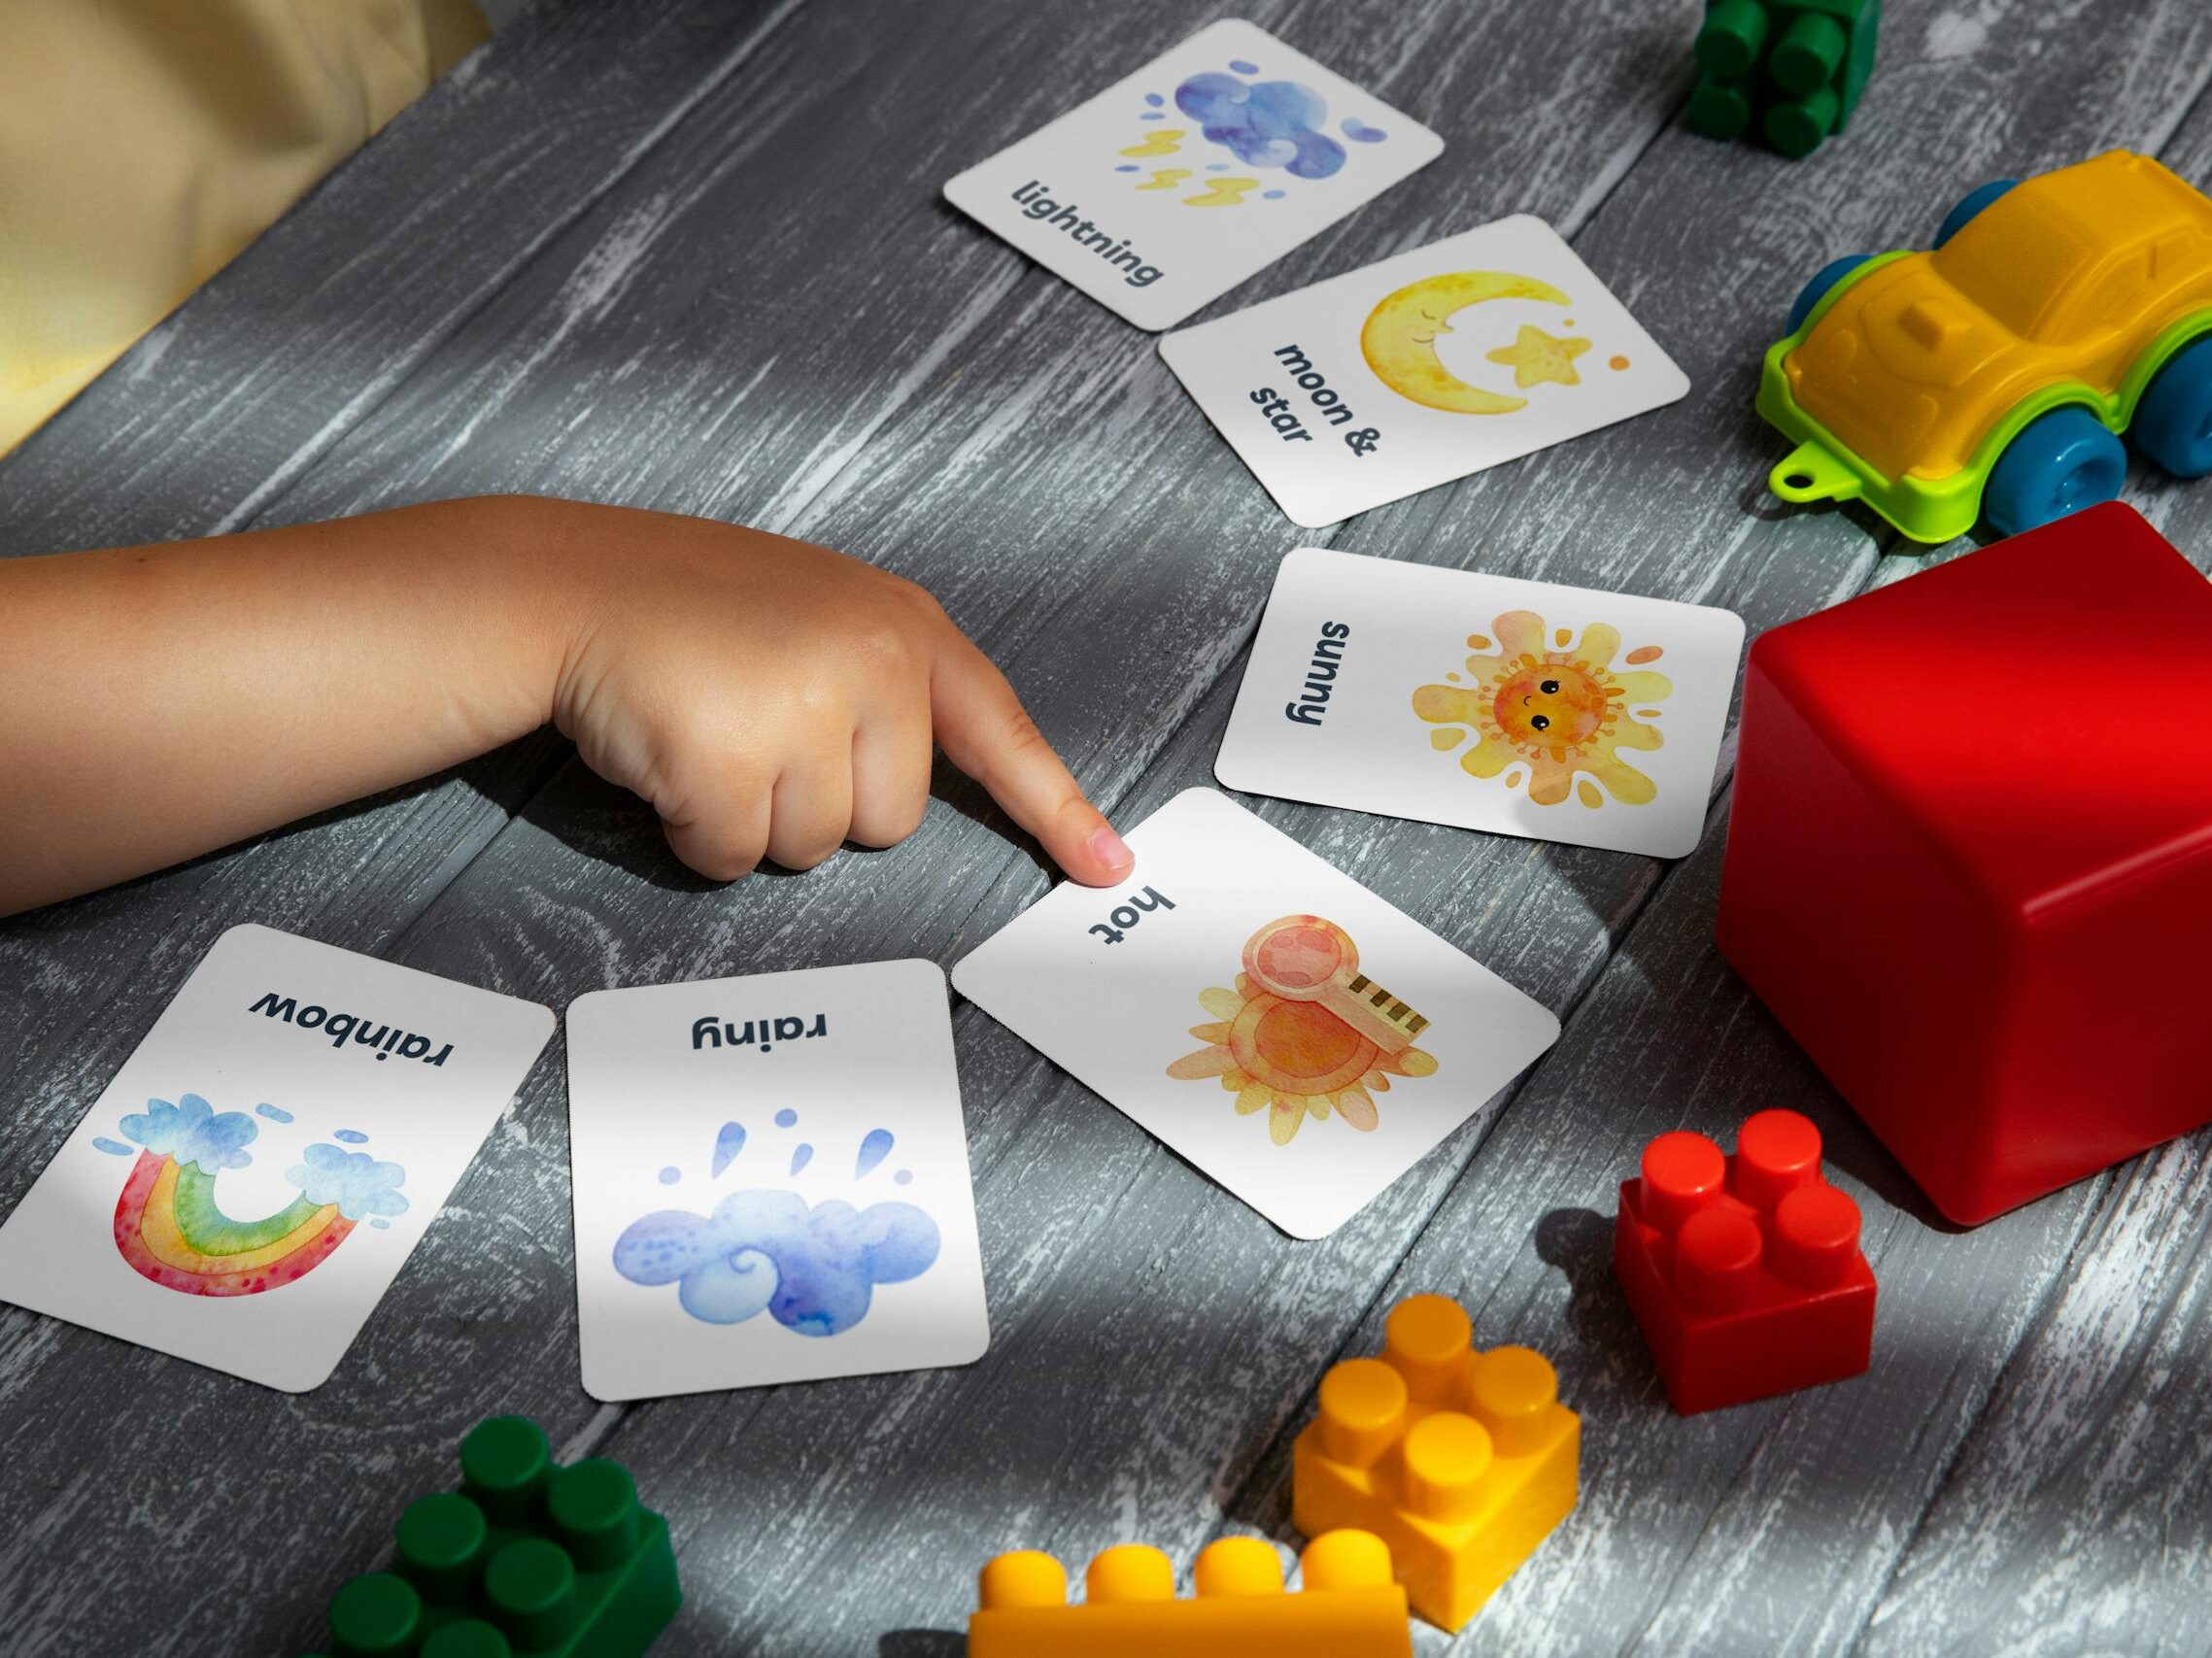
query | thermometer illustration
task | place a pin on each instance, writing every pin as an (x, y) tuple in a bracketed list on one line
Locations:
[(1302, 958)]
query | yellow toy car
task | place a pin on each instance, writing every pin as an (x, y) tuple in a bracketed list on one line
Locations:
[(1994, 374)]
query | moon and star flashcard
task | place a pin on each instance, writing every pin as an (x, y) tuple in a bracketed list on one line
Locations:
[(1421, 369)]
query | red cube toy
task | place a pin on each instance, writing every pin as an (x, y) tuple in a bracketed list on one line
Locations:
[(1969, 859), (1744, 1271)]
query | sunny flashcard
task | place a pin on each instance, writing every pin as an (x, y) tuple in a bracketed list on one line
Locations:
[(1461, 697), (771, 1182), (1293, 1035), (247, 1186), (1202, 168), (1421, 369)]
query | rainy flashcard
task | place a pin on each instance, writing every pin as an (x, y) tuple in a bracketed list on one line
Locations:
[(246, 1188), (771, 1182), (1290, 1033), (1424, 368), (1458, 696), (1202, 168)]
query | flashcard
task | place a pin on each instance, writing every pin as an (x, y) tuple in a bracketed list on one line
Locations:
[(1461, 697), (1421, 369), (1290, 1033), (1202, 168), (771, 1182), (248, 1186)]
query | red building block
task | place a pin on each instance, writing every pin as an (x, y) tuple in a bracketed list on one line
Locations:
[(1745, 1271), (1969, 858)]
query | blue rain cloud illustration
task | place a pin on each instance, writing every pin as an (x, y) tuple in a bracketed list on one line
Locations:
[(1269, 123), (811, 1269)]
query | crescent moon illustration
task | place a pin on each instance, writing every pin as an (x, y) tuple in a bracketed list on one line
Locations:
[(1398, 337)]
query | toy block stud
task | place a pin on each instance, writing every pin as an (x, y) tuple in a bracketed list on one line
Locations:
[(1743, 1272), (1348, 1607), (1796, 67), (526, 1557), (1462, 1461)]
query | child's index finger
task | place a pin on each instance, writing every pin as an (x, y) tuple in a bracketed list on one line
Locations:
[(984, 729)]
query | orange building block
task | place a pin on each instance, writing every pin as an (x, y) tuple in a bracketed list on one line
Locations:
[(1462, 1461), (1348, 1607)]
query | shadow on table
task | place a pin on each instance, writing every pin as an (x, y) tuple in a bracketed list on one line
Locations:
[(921, 1644)]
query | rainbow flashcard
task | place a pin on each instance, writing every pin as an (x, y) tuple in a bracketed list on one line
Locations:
[(262, 1163)]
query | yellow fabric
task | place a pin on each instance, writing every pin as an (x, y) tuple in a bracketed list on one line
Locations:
[(143, 143)]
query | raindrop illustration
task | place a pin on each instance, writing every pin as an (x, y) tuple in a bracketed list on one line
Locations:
[(670, 1176), (728, 1143), (874, 1149), (801, 1157), (786, 1117)]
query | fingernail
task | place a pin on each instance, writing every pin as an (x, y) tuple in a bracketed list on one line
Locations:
[(1111, 849)]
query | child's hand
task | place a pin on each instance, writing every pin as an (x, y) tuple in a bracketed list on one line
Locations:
[(769, 698), (773, 698)]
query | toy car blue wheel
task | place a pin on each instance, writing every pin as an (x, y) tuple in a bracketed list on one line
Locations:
[(2059, 465), (2174, 422), (1970, 204), (1823, 278)]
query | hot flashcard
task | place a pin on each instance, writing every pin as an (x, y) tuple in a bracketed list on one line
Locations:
[(771, 1182), (1421, 369), (250, 1183), (1292, 1034), (1462, 697), (1202, 168)]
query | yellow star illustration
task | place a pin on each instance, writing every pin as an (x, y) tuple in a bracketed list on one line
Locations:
[(1537, 357)]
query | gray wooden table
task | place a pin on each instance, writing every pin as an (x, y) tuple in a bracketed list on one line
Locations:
[(691, 256)]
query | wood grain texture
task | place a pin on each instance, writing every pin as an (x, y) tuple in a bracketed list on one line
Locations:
[(766, 315)]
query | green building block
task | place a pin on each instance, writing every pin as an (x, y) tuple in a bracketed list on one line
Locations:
[(1793, 67), (526, 1560)]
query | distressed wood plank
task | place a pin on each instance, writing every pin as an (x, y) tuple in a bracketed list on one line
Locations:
[(233, 395), (1094, 1235), (877, 1517), (219, 409), (1776, 1527), (998, 566), (467, 1329)]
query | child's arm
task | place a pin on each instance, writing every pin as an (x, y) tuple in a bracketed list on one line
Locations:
[(769, 698)]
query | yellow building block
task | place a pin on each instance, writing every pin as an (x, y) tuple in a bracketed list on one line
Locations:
[(1348, 1607), (1462, 1461)]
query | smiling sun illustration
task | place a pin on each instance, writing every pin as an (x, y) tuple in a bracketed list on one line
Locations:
[(1305, 1030), (1558, 711)]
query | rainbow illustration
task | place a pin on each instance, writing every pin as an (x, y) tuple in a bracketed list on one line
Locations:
[(171, 1229)]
